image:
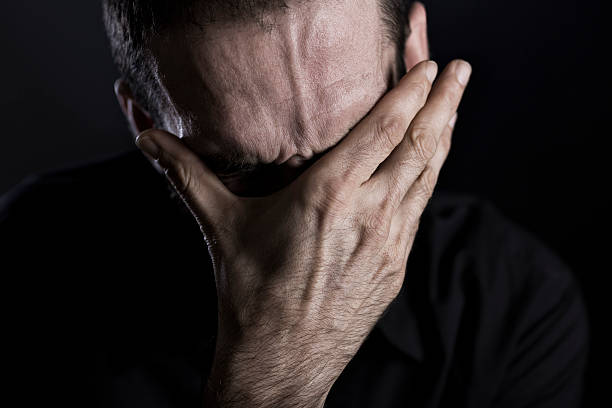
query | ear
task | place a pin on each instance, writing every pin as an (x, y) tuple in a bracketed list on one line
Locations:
[(138, 119), (416, 47)]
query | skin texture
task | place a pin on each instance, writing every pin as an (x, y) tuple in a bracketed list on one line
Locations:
[(303, 273), (241, 96)]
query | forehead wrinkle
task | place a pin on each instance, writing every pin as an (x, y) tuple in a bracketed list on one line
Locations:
[(229, 86), (320, 46), (300, 85), (317, 47)]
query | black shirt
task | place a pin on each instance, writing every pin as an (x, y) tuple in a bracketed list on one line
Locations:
[(111, 302)]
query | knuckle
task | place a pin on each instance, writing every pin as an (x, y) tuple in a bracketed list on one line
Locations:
[(375, 225), (182, 178), (325, 195), (419, 90), (427, 182), (389, 130), (424, 143)]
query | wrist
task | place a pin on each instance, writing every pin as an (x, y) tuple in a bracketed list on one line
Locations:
[(239, 380)]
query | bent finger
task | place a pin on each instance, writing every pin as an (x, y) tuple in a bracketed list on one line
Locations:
[(399, 171), (202, 191), (358, 155), (405, 220)]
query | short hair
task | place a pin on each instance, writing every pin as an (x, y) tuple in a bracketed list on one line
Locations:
[(131, 24)]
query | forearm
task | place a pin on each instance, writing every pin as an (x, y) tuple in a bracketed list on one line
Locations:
[(255, 386)]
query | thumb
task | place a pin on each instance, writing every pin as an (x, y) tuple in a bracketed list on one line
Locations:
[(202, 191)]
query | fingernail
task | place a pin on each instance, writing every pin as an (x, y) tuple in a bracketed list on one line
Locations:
[(148, 146), (432, 70), (463, 71), (453, 121)]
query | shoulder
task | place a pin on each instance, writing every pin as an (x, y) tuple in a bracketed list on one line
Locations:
[(93, 192), (86, 254), (66, 218), (72, 185), (506, 299), (473, 233)]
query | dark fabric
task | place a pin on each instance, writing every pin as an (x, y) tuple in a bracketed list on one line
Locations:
[(110, 301)]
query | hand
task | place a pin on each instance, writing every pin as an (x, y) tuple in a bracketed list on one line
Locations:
[(303, 275)]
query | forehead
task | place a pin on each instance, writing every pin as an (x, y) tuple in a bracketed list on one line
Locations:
[(310, 71)]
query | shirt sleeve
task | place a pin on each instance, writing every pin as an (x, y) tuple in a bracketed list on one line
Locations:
[(549, 353)]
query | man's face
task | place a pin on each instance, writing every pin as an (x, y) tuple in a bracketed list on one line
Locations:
[(267, 98)]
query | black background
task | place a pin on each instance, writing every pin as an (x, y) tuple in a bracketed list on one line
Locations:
[(532, 134)]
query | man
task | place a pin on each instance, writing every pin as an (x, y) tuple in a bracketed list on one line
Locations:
[(308, 265)]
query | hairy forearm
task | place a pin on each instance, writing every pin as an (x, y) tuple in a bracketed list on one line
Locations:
[(247, 381), (224, 395)]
